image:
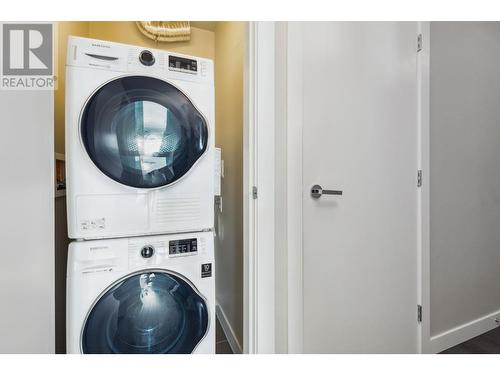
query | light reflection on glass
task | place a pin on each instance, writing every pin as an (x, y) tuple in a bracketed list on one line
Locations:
[(143, 132)]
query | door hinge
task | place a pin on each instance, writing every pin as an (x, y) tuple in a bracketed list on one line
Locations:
[(419, 42), (419, 313), (419, 178), (254, 192)]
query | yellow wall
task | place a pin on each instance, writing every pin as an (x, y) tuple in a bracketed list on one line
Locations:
[(229, 55), (202, 44)]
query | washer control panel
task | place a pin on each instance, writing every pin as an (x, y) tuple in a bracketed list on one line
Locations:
[(183, 247)]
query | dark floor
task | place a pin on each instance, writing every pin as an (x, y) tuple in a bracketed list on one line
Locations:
[(487, 343), (221, 344)]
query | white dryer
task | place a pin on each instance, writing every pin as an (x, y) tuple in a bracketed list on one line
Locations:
[(139, 140), (141, 295)]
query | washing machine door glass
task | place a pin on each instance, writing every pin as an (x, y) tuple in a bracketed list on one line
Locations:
[(143, 132), (150, 312)]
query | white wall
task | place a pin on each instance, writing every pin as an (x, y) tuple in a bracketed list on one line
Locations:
[(465, 178), (27, 222)]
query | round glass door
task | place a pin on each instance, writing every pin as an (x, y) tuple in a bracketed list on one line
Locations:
[(143, 132), (147, 313)]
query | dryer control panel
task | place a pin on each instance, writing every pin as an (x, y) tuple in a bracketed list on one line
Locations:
[(105, 55), (184, 246), (182, 64)]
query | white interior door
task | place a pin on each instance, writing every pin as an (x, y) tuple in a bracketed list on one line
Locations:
[(359, 112)]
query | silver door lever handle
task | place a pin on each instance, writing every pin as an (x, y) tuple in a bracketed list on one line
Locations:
[(317, 191)]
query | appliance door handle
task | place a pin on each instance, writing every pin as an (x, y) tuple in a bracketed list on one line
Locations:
[(317, 191), (102, 57)]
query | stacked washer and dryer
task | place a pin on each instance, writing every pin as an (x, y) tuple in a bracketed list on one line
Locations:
[(140, 200)]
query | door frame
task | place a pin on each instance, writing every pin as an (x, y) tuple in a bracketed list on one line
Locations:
[(461, 333), (289, 157), (423, 245), (289, 161), (258, 172), (270, 78)]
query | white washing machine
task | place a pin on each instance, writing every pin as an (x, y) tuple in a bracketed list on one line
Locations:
[(139, 140), (142, 295)]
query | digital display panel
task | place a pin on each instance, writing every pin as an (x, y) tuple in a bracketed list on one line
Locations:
[(183, 246), (181, 63)]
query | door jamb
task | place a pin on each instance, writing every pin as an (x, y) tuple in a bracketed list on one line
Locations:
[(258, 173), (290, 147), (288, 240), (423, 112)]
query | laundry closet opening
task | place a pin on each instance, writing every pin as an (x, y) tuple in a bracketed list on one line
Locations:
[(224, 44)]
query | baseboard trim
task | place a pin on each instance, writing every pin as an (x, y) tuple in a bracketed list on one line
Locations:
[(464, 332), (228, 330)]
